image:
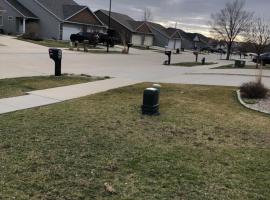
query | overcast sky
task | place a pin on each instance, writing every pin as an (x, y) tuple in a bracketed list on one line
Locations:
[(190, 15)]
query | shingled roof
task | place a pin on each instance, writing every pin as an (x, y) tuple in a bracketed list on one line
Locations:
[(123, 19), (61, 8), (158, 27), (21, 9), (69, 10), (174, 33)]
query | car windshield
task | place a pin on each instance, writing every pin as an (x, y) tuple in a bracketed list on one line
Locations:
[(266, 55)]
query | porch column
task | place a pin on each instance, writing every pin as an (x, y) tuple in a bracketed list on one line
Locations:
[(23, 30)]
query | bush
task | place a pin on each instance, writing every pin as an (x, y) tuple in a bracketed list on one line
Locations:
[(253, 90)]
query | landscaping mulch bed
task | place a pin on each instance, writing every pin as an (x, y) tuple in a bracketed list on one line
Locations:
[(262, 105)]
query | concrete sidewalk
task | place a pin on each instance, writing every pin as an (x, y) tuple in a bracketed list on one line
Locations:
[(60, 94)]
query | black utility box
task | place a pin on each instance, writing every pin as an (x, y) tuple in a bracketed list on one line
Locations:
[(151, 101)]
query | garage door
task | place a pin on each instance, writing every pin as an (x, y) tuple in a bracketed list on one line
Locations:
[(148, 41), (174, 44), (136, 40), (69, 29), (178, 44)]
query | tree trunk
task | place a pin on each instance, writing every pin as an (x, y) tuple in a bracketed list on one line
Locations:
[(229, 48), (258, 60)]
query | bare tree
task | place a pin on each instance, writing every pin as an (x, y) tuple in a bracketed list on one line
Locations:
[(258, 36), (230, 22), (147, 15)]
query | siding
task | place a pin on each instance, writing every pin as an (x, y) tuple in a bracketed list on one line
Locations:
[(9, 26), (49, 25), (144, 29), (85, 17)]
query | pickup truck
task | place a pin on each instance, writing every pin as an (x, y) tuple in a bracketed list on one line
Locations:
[(95, 38), (92, 38)]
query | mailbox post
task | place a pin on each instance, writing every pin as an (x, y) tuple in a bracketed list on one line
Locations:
[(169, 54), (56, 55), (129, 45), (203, 61)]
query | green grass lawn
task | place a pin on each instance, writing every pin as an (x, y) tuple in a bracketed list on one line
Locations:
[(231, 66), (19, 86), (204, 145), (191, 64)]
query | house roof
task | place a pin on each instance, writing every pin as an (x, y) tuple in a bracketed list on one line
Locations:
[(158, 27), (61, 8), (69, 10), (140, 27), (123, 19), (21, 9), (201, 37), (65, 10), (174, 33)]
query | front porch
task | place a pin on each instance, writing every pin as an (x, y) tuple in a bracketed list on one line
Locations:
[(27, 25)]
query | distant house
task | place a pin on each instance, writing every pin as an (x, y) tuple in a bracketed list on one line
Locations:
[(135, 32), (199, 40), (167, 38), (56, 19), (1, 19)]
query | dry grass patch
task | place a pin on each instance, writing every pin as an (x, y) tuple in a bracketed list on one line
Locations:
[(204, 145)]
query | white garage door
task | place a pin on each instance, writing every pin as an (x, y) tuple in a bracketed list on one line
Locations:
[(136, 40), (174, 44), (178, 44), (69, 29), (148, 41), (171, 44)]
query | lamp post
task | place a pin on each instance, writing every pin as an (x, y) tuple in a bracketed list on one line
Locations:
[(109, 27)]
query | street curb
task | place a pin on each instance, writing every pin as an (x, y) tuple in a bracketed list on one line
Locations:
[(248, 106)]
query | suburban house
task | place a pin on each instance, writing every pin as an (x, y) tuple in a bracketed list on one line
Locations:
[(186, 42), (1, 19), (50, 19), (199, 40), (164, 37), (135, 32)]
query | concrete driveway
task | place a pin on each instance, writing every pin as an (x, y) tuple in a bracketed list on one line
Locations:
[(19, 59)]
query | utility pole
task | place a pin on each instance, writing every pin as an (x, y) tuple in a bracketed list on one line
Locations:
[(109, 27)]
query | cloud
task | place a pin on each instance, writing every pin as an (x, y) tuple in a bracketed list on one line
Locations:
[(191, 15)]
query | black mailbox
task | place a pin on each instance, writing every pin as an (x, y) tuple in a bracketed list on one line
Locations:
[(56, 55), (150, 101), (169, 54), (203, 61)]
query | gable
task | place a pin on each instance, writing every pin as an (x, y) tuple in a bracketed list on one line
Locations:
[(144, 29), (19, 8), (56, 6), (85, 17), (176, 35)]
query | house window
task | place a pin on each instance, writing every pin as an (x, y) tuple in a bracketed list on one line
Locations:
[(10, 18), (1, 20)]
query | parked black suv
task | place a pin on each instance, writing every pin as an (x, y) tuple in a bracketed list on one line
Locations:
[(264, 58)]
